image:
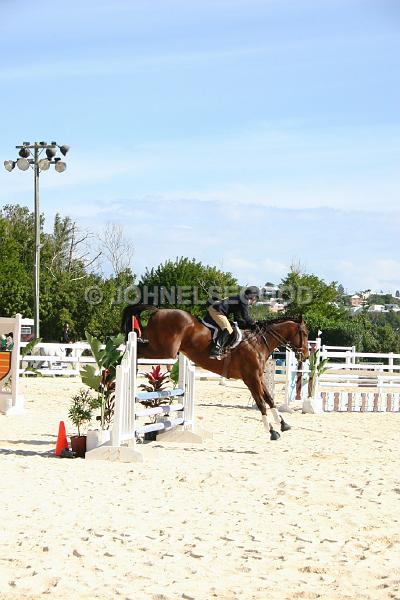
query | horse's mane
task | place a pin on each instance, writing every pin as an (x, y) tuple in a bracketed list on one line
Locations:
[(268, 322)]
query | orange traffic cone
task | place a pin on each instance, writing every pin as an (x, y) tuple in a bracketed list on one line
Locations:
[(62, 441)]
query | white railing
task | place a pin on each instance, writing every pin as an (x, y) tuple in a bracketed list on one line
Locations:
[(51, 359)]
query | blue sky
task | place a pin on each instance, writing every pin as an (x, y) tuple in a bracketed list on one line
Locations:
[(245, 133)]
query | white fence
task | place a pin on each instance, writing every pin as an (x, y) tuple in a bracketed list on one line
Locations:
[(50, 359), (352, 381)]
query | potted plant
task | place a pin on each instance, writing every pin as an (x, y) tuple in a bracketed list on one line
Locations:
[(156, 381), (316, 368), (101, 378), (80, 413)]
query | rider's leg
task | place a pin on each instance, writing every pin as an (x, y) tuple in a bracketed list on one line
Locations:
[(224, 333)]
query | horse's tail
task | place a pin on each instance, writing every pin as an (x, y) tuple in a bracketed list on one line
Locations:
[(133, 310)]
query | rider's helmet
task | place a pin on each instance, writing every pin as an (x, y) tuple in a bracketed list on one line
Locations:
[(252, 292)]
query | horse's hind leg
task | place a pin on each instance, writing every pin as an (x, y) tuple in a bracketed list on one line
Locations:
[(276, 414), (257, 392)]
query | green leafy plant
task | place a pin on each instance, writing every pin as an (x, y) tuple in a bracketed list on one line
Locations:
[(156, 383), (317, 368), (26, 350), (81, 409), (174, 373), (101, 377)]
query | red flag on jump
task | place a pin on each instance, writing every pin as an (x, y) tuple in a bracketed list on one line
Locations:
[(136, 326)]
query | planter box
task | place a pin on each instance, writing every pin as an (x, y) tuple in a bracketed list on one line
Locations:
[(313, 406), (96, 438), (78, 445)]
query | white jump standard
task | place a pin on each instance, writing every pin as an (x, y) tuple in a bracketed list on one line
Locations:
[(11, 401), (180, 427)]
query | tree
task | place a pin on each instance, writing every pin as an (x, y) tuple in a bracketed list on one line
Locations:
[(66, 284), (185, 283), (310, 297), (117, 249), (68, 250)]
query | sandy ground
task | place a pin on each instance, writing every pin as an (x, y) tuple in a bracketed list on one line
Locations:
[(314, 515)]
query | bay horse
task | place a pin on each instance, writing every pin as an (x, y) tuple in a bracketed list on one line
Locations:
[(170, 331)]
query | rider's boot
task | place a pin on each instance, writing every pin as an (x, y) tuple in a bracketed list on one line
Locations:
[(216, 349), (225, 339), (219, 343)]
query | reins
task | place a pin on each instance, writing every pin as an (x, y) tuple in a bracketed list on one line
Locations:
[(280, 338)]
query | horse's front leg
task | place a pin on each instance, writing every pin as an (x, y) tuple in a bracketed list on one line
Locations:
[(258, 394), (275, 413)]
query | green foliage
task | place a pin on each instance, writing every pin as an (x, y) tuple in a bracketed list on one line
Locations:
[(185, 283), (382, 299), (261, 312), (30, 346), (174, 374), (156, 381), (80, 411), (27, 350), (64, 280), (317, 367), (102, 377), (310, 297)]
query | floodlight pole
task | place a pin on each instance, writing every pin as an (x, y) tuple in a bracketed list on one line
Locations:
[(34, 150), (36, 274)]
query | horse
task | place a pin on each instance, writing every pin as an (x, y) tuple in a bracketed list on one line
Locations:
[(170, 331)]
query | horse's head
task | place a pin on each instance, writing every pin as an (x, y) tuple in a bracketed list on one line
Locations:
[(299, 340)]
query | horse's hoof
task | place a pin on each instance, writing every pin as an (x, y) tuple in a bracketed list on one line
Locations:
[(274, 435), (285, 426)]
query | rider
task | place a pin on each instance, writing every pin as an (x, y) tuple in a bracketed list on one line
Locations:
[(237, 306)]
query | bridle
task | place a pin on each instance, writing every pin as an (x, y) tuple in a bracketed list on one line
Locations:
[(285, 342)]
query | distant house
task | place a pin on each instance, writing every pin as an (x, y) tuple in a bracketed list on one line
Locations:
[(378, 308), (393, 307), (277, 307), (356, 300)]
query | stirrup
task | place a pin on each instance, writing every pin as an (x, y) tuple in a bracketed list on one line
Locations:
[(216, 352)]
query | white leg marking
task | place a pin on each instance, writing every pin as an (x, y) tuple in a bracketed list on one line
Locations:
[(276, 416), (265, 422)]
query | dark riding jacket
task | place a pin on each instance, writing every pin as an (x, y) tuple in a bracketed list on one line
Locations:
[(237, 307)]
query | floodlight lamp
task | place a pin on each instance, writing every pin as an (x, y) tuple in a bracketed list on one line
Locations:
[(64, 149), (44, 164), (54, 143), (23, 164), (60, 166), (42, 143), (9, 165), (50, 153), (24, 152), (26, 143)]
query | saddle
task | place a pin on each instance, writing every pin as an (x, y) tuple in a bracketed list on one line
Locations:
[(214, 329)]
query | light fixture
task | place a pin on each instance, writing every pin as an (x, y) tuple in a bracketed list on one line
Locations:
[(9, 165), (24, 152), (31, 155), (44, 164), (23, 164), (64, 149), (60, 166)]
